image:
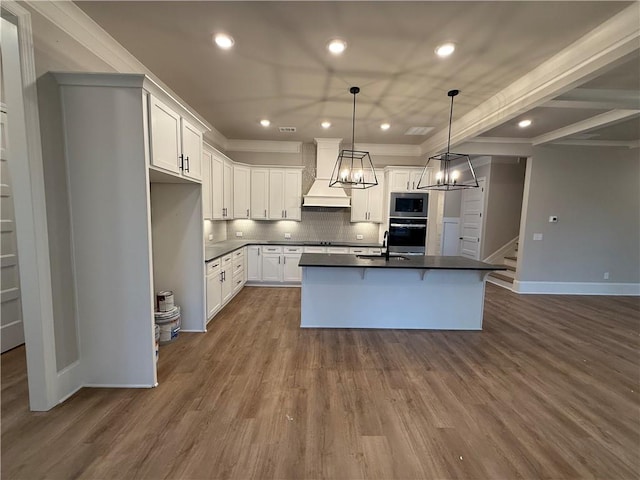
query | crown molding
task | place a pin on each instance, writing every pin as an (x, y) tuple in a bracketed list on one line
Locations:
[(599, 143), (390, 149), (514, 140), (69, 18), (263, 146), (606, 44)]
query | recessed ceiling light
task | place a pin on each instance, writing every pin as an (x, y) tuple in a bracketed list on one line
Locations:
[(223, 40), (385, 126), (325, 124), (264, 122), (337, 46), (445, 49), (524, 123)]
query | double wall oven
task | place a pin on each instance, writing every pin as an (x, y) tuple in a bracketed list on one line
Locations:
[(408, 223)]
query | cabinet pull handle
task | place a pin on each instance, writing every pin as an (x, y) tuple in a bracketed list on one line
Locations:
[(265, 214), (247, 213), (278, 259), (186, 159), (285, 214), (413, 185), (221, 277), (258, 252), (181, 157), (285, 260), (407, 185)]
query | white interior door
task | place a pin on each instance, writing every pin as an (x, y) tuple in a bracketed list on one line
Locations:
[(471, 221), (12, 329)]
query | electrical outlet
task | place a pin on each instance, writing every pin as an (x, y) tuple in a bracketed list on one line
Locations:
[(606, 275), (210, 236), (537, 236), (359, 237), (238, 234), (553, 219), (287, 235)]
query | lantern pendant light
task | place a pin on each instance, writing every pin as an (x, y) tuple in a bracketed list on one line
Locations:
[(354, 168), (447, 166)]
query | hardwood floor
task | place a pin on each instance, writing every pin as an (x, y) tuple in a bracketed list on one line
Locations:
[(549, 389)]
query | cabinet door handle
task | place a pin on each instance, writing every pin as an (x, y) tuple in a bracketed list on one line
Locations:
[(407, 185), (285, 214), (265, 214), (247, 213), (258, 252), (221, 277), (278, 259), (413, 185), (285, 260), (186, 159), (181, 157)]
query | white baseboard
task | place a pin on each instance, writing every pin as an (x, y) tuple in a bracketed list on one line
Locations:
[(501, 283), (273, 285), (69, 381), (111, 385), (577, 288)]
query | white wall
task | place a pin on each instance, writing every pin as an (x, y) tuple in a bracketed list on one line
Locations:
[(595, 192)]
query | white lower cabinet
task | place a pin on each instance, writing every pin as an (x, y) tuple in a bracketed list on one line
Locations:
[(291, 272), (254, 263), (272, 264), (214, 288), (224, 279), (338, 250)]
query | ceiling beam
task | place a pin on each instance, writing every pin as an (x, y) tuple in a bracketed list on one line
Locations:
[(599, 143), (608, 43), (601, 120), (596, 98)]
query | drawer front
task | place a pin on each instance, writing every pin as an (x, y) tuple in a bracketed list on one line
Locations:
[(226, 260), (274, 249), (238, 265), (238, 253), (359, 251), (338, 250), (213, 266), (293, 249), (315, 249), (238, 280), (375, 251)]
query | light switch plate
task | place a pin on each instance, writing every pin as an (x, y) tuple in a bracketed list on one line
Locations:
[(211, 236), (238, 234), (537, 236), (359, 237), (287, 235), (553, 219)]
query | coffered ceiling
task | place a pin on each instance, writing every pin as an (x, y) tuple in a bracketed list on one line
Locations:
[(280, 69)]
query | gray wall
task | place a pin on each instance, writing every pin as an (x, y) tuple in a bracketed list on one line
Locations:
[(503, 204), (595, 192)]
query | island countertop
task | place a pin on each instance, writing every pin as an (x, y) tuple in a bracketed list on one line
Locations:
[(419, 262)]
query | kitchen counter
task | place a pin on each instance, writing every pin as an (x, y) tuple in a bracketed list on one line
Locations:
[(417, 292), (395, 261), (222, 248)]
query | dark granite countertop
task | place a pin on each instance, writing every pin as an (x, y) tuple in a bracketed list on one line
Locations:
[(410, 261), (222, 248)]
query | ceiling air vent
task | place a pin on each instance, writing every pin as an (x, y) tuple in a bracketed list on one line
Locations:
[(418, 130), (287, 129)]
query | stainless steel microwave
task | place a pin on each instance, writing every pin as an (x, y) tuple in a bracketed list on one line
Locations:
[(409, 205)]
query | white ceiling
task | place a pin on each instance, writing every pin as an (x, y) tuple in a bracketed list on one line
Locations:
[(279, 67)]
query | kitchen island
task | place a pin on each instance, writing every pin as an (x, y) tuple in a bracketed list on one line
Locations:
[(404, 292)]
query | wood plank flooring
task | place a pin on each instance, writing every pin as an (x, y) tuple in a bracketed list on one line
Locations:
[(548, 390)]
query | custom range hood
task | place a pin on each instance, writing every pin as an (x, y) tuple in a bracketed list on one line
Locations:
[(321, 194)]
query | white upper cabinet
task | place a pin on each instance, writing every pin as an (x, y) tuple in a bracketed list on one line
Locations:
[(367, 204), (165, 136), (221, 187), (404, 179), (259, 209), (241, 191), (207, 211), (285, 194), (176, 144), (191, 151)]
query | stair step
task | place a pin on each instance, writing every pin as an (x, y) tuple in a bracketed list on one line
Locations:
[(515, 259), (501, 283), (510, 267), (502, 276)]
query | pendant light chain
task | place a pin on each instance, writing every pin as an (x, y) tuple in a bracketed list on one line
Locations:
[(450, 119), (353, 123)]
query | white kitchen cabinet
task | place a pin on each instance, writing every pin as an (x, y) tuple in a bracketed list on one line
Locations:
[(315, 249), (241, 191), (221, 187), (254, 263), (207, 211), (175, 144), (403, 179), (338, 250), (226, 269), (129, 193), (259, 209), (291, 272), (285, 194), (214, 287), (367, 204), (271, 264)]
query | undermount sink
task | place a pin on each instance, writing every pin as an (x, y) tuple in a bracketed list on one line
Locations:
[(374, 257)]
